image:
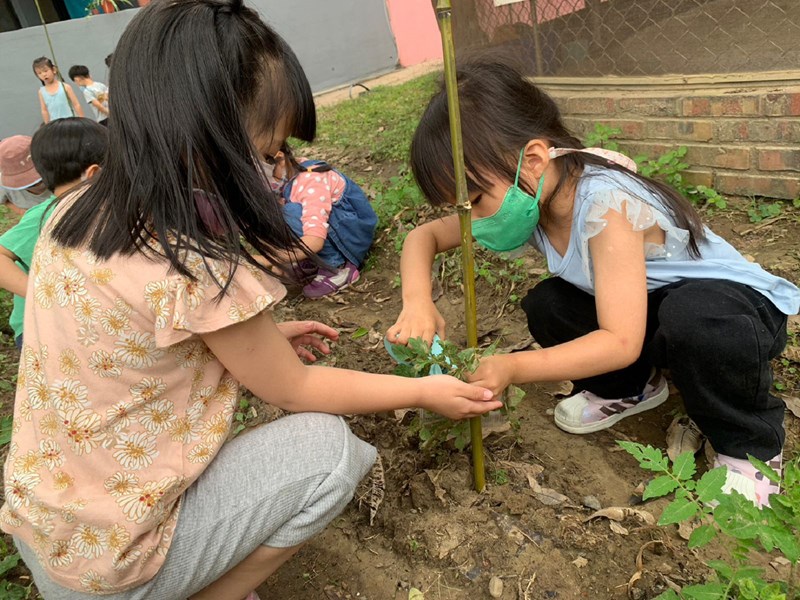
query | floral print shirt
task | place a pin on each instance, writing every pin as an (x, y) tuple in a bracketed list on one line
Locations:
[(120, 406)]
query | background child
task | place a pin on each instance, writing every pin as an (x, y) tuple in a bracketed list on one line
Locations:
[(20, 185), (65, 152), (144, 320), (94, 92), (57, 100), (638, 282), (332, 216)]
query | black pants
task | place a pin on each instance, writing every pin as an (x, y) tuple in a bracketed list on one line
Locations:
[(716, 337)]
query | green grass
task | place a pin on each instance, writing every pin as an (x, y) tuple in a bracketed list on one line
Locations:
[(380, 122)]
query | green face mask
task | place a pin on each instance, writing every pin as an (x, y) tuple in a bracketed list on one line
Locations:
[(514, 222)]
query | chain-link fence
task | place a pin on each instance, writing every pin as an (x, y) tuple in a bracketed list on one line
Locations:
[(587, 38)]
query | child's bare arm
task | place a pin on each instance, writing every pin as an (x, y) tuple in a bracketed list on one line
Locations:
[(420, 317), (259, 355), (76, 106), (99, 106), (43, 106), (12, 278)]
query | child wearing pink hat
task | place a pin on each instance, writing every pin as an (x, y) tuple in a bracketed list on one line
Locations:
[(20, 184)]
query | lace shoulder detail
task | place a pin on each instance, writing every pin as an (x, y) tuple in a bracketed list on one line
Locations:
[(640, 215)]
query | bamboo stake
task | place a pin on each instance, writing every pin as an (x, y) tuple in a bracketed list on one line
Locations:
[(49, 41), (444, 17)]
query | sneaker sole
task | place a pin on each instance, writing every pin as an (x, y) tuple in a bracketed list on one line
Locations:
[(643, 406)]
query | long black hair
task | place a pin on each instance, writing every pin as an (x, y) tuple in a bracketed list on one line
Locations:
[(194, 83), (502, 110)]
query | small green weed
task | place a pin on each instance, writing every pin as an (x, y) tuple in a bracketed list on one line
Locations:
[(758, 211), (10, 560), (500, 477), (6, 423), (433, 430), (398, 200), (600, 137), (243, 415), (734, 521)]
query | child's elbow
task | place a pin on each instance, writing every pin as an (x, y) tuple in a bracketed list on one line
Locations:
[(627, 352)]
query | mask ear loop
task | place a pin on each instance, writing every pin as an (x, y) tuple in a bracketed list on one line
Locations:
[(519, 168), (541, 179)]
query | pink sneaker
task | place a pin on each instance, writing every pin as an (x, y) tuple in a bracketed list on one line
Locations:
[(329, 282), (586, 412), (744, 478), (252, 596)]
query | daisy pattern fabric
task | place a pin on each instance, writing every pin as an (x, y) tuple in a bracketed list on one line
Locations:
[(120, 406)]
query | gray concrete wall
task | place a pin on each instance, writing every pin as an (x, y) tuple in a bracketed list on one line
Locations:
[(338, 42)]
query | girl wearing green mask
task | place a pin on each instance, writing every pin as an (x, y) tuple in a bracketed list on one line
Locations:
[(639, 284)]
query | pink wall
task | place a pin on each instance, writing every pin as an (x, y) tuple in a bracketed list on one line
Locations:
[(415, 31)]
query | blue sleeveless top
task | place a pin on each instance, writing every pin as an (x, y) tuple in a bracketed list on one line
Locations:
[(600, 190), (57, 104)]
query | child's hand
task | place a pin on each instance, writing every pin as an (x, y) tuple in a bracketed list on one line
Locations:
[(454, 399), (494, 373), (417, 321), (308, 333)]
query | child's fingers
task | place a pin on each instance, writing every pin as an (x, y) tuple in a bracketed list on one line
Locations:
[(321, 329), (305, 354), (480, 408)]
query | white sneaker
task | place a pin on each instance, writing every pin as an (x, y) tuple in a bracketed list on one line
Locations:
[(586, 412)]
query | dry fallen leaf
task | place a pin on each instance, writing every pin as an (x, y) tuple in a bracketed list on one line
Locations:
[(620, 513), (580, 562), (546, 496), (617, 528), (686, 528), (793, 404), (523, 469), (437, 489)]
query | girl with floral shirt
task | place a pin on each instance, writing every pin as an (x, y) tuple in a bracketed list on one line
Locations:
[(146, 315)]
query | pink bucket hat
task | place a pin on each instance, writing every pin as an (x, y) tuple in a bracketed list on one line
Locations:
[(16, 167)]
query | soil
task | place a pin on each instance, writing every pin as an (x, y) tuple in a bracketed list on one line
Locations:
[(433, 532)]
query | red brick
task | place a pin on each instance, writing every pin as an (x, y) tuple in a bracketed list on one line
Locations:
[(649, 107), (738, 184), (778, 159), (785, 131), (696, 107), (582, 105), (649, 150), (722, 106), (723, 157), (631, 130), (680, 129), (693, 177), (783, 104)]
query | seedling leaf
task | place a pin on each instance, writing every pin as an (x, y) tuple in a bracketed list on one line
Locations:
[(677, 511), (660, 486), (701, 536)]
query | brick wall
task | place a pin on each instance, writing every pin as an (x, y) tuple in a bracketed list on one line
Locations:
[(742, 143)]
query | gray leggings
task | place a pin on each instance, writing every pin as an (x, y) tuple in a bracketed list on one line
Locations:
[(277, 485)]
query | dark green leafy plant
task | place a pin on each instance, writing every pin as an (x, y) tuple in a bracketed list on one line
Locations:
[(600, 137), (734, 521), (434, 430), (758, 211)]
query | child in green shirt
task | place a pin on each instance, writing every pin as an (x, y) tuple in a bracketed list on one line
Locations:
[(65, 153)]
